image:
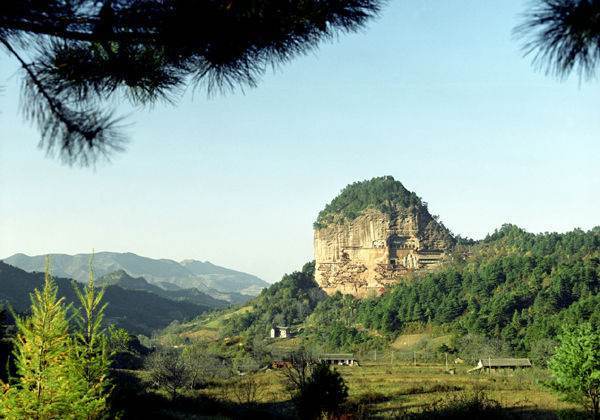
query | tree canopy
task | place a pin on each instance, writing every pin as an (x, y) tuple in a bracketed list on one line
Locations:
[(512, 291), (576, 367), (380, 193), (76, 55), (58, 374), (287, 302), (514, 286)]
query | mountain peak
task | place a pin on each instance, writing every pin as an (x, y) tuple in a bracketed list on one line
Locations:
[(373, 234), (123, 279), (381, 193)]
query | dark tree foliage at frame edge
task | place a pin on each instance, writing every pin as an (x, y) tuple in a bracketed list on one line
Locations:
[(79, 57)]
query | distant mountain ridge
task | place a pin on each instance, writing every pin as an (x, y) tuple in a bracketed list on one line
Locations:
[(219, 282), (122, 279), (138, 311)]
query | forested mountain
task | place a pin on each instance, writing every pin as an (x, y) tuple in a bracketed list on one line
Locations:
[(138, 311), (218, 282), (514, 287), (122, 279), (374, 233), (377, 193)]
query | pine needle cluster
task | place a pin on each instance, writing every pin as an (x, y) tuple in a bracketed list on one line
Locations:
[(79, 55), (563, 36)]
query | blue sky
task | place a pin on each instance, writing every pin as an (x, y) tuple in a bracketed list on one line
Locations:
[(435, 93)]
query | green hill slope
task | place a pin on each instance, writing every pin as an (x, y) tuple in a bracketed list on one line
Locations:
[(514, 287), (510, 293), (287, 302)]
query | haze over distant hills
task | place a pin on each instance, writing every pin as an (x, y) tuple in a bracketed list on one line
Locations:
[(122, 279), (219, 282), (139, 311)]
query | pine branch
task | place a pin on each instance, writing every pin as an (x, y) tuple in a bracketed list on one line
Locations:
[(564, 36), (89, 52)]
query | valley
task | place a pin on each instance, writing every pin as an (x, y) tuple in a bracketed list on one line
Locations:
[(416, 329), (299, 210)]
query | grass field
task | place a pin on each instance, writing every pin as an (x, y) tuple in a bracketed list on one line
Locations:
[(387, 384), (392, 390)]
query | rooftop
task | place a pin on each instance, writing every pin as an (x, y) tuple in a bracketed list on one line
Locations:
[(504, 362)]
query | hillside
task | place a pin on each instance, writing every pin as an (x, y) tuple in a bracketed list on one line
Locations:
[(514, 287), (122, 279), (218, 282), (509, 294), (138, 311), (287, 302)]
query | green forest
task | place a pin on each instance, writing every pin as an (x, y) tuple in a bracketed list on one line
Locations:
[(377, 193), (514, 288)]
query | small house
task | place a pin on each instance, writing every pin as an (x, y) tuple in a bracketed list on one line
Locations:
[(346, 359), (281, 332), (500, 364)]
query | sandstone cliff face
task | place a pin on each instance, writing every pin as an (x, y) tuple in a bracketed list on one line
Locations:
[(364, 255)]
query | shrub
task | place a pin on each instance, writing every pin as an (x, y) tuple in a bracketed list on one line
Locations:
[(324, 393), (168, 370), (465, 405), (245, 390), (576, 367)]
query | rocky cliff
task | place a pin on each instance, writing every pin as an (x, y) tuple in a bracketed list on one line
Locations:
[(374, 233)]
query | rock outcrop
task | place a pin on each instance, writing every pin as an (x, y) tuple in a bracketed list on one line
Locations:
[(378, 245)]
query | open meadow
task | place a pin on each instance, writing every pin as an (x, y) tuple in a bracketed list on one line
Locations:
[(384, 390)]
